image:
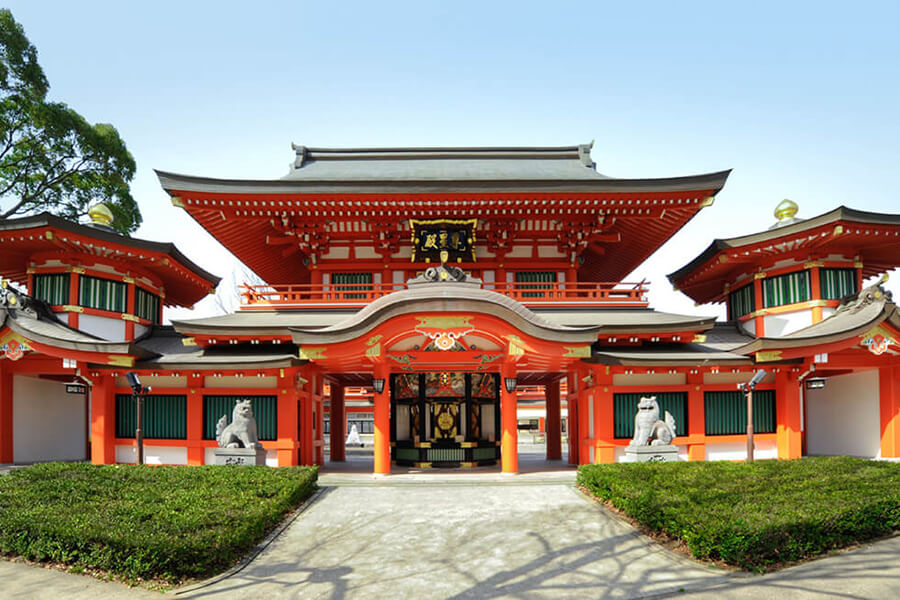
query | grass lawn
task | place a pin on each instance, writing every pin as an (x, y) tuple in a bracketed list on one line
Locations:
[(152, 523), (755, 515)]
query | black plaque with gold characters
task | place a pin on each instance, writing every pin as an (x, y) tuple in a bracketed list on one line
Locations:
[(456, 237)]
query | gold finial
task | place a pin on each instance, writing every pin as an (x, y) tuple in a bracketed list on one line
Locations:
[(786, 209), (100, 214)]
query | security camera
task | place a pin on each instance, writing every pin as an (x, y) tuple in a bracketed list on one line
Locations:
[(134, 382), (758, 377)]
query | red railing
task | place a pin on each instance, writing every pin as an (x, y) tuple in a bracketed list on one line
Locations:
[(265, 297)]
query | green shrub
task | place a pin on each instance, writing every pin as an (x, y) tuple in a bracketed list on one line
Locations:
[(755, 515), (166, 523)]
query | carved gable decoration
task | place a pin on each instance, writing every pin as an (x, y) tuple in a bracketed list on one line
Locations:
[(456, 237)]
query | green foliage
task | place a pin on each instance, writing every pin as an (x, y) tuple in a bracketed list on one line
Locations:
[(51, 158), (755, 515), (138, 522)]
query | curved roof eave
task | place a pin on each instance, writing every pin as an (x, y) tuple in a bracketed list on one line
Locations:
[(444, 298), (86, 344), (172, 182), (841, 213), (46, 219)]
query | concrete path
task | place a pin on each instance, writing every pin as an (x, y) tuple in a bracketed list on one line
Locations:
[(478, 534), (466, 540)]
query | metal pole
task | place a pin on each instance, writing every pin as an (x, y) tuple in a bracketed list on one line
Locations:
[(749, 424), (138, 433)]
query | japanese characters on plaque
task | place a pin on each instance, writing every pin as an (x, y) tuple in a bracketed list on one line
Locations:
[(456, 237)]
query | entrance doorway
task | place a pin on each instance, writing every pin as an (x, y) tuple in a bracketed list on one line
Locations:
[(445, 419)]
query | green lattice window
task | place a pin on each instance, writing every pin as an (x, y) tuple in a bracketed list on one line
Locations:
[(164, 417), (102, 294), (625, 408), (834, 284), (741, 302), (350, 282), (146, 305), (52, 288), (726, 412), (786, 289), (265, 411), (535, 280)]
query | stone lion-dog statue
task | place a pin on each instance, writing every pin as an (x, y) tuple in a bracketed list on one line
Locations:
[(242, 432), (649, 429)]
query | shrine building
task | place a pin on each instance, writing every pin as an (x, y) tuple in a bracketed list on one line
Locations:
[(445, 291)]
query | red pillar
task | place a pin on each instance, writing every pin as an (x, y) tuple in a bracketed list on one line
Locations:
[(509, 442), (889, 399), (554, 448), (195, 449), (759, 320), (815, 293), (604, 420), (572, 419), (130, 309), (103, 420), (288, 444), (787, 411), (696, 425), (382, 423), (338, 423), (6, 412), (319, 418), (305, 424)]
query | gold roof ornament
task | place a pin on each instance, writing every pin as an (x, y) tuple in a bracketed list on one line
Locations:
[(100, 215), (785, 212)]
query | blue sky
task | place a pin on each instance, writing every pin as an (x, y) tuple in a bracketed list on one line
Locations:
[(800, 99)]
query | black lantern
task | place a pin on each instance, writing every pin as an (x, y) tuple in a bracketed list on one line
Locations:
[(510, 384), (378, 384)]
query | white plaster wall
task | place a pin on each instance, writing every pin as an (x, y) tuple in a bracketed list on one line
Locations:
[(153, 455), (843, 418), (112, 330), (140, 330), (649, 379), (366, 252), (549, 252), (240, 382), (519, 252), (783, 324), (738, 450), (749, 327), (48, 423)]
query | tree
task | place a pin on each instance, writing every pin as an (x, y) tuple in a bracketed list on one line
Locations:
[(51, 158)]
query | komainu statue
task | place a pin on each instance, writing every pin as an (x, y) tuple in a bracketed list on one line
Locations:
[(649, 430), (241, 433)]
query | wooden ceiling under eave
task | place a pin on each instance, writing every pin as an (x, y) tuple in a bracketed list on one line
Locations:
[(641, 236)]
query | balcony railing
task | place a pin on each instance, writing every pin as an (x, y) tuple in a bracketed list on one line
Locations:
[(586, 294)]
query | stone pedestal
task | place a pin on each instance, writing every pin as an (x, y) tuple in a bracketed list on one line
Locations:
[(248, 457), (651, 453)]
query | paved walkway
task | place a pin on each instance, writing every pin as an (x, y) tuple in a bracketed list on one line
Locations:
[(478, 534)]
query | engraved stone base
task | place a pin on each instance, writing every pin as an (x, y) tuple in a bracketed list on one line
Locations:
[(651, 453), (247, 457)]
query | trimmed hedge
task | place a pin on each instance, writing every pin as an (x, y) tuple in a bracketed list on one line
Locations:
[(756, 515), (168, 523)]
